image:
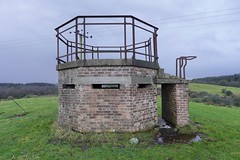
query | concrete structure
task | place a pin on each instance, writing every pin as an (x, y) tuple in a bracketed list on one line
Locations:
[(98, 95)]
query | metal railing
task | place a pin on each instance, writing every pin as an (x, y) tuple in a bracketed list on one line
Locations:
[(181, 64), (76, 47)]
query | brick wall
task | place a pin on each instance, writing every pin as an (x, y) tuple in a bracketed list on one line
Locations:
[(175, 103), (83, 108)]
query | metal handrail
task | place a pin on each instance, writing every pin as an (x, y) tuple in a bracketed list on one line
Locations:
[(76, 47)]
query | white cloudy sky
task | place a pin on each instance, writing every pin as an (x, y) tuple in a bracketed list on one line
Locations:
[(209, 29)]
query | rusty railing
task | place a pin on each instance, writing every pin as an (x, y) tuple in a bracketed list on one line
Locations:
[(181, 64), (72, 38)]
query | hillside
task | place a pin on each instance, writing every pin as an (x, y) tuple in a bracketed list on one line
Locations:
[(19, 90), (36, 136), (230, 80), (214, 94), (212, 89)]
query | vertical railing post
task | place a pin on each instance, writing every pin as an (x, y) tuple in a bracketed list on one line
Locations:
[(149, 51), (176, 67), (184, 67), (180, 67), (97, 52), (84, 38), (67, 52), (146, 47), (92, 53), (76, 38), (58, 61), (71, 51), (155, 45), (133, 37), (121, 53), (125, 37)]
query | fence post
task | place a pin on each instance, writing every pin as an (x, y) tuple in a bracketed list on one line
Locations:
[(58, 61), (133, 37), (155, 45), (125, 37), (76, 39), (84, 38)]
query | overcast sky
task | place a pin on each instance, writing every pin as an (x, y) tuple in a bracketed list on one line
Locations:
[(209, 29)]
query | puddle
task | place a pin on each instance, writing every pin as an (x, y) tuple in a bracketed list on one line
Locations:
[(168, 135), (196, 139)]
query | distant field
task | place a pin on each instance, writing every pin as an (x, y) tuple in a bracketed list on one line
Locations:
[(32, 136), (212, 89)]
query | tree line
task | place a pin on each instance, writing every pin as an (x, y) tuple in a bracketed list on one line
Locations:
[(228, 98), (230, 80), (19, 90)]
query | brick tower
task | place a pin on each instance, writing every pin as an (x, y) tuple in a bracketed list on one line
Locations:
[(113, 87)]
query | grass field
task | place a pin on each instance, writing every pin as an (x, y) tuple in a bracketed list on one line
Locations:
[(36, 135), (212, 89)]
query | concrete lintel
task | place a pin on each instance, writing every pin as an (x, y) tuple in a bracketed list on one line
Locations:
[(113, 80), (142, 80), (171, 81), (103, 80), (107, 63)]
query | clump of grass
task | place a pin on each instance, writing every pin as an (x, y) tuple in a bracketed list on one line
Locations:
[(191, 128)]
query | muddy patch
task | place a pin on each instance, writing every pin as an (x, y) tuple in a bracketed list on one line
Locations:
[(170, 135)]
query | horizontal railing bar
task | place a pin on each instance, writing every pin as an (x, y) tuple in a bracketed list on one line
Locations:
[(107, 16), (106, 51), (67, 29), (143, 28), (63, 37), (66, 23), (142, 54), (100, 23), (63, 41), (60, 60), (137, 44), (137, 48)]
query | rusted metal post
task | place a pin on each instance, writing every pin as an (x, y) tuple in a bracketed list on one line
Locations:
[(180, 67), (150, 49), (133, 37), (177, 59), (71, 52), (125, 37), (146, 45), (58, 61), (76, 38), (84, 38), (92, 53), (184, 66), (181, 62), (155, 46), (67, 51), (121, 53), (97, 52)]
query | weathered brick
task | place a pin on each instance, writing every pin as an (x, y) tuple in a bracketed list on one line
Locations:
[(126, 109)]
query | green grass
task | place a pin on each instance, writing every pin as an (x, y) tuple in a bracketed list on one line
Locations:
[(212, 89), (36, 136)]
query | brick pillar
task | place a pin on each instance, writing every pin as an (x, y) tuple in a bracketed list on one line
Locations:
[(175, 104)]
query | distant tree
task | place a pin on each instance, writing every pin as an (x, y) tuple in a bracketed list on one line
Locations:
[(228, 93), (17, 90), (230, 80), (224, 90)]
